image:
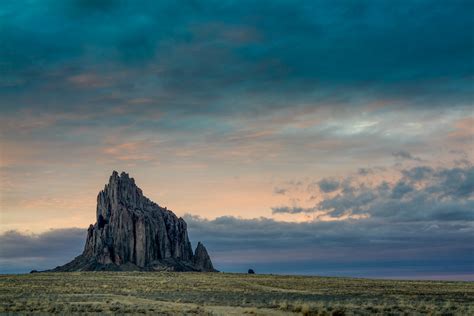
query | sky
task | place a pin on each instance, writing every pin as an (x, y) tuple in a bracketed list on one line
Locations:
[(294, 137)]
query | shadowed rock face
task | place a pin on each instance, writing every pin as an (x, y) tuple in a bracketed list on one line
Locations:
[(134, 233), (201, 259)]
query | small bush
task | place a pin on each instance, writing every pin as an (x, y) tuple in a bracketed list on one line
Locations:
[(283, 305), (305, 309)]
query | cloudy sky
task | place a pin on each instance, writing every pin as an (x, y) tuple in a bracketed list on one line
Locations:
[(305, 137)]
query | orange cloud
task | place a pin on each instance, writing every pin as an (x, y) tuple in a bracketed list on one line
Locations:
[(463, 130)]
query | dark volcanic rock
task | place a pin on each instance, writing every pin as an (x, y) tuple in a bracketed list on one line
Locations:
[(202, 261), (134, 233)]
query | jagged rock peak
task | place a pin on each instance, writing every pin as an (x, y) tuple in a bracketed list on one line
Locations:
[(124, 177), (121, 191), (123, 185), (132, 232)]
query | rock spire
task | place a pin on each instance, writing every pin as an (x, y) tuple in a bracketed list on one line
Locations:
[(134, 233)]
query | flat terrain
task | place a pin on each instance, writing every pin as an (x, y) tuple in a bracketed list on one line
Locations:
[(228, 294)]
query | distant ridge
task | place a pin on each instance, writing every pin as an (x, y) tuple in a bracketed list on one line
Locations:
[(134, 233)]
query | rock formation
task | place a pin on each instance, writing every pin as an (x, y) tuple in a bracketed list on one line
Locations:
[(201, 259), (134, 233)]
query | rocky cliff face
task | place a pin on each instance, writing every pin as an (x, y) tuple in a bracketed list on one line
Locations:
[(134, 233)]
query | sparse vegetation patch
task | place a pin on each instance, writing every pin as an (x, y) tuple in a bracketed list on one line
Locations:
[(228, 294)]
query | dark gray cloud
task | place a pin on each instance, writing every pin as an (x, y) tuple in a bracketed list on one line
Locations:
[(456, 183), (211, 58), (328, 185), (363, 248), (402, 154), (400, 189), (421, 194), (278, 190), (207, 73), (418, 173), (291, 210), (364, 171), (21, 252), (367, 248)]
